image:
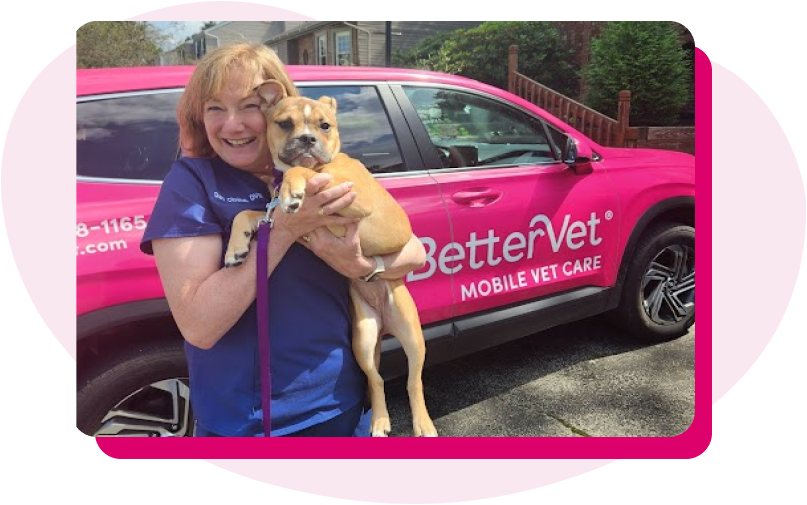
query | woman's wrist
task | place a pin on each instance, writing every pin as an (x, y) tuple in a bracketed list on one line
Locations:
[(368, 266)]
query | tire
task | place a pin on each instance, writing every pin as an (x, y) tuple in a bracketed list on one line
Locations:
[(141, 391), (658, 297)]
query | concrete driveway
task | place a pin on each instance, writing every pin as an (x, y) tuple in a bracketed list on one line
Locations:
[(581, 379)]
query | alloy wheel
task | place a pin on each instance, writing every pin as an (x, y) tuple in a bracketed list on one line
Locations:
[(668, 287), (161, 409)]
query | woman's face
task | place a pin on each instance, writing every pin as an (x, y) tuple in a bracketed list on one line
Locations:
[(236, 127)]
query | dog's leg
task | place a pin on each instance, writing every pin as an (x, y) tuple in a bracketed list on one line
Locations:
[(244, 226), (292, 191), (401, 319), (350, 170), (366, 347)]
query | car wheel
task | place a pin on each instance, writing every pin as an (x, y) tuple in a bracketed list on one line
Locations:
[(142, 392), (658, 298)]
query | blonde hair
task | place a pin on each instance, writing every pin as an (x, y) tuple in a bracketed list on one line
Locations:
[(211, 76)]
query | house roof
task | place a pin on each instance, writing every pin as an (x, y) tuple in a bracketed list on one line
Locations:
[(298, 30), (217, 26)]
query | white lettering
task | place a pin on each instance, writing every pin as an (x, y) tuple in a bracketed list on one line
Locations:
[(431, 264), (471, 244), (592, 224), (509, 247), (579, 234), (517, 246), (469, 292), (445, 258), (492, 239), (522, 279), (556, 240), (588, 264), (545, 273)]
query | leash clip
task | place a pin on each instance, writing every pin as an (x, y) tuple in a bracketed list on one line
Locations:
[(270, 207)]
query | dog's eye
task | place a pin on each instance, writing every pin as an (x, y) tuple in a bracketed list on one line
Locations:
[(325, 126), (286, 124)]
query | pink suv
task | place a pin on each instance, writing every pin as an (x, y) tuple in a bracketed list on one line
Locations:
[(527, 223)]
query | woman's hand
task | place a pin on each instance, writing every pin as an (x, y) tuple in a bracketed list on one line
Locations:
[(344, 254), (319, 209)]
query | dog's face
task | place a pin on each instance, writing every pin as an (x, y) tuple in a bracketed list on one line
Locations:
[(300, 131)]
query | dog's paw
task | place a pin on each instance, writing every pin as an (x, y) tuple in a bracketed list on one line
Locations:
[(380, 427), (424, 428), (292, 202), (235, 256)]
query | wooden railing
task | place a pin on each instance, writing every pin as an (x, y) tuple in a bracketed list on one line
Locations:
[(595, 125)]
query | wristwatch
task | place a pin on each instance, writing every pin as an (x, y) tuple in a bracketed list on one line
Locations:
[(379, 269)]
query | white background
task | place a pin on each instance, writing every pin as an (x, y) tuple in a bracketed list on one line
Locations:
[(765, 379)]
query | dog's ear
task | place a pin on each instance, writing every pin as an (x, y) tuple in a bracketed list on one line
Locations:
[(272, 91), (330, 102)]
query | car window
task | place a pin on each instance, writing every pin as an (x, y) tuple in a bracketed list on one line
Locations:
[(127, 137), (469, 130), (364, 127), (559, 139)]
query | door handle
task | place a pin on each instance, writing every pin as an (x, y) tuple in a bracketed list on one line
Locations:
[(477, 197)]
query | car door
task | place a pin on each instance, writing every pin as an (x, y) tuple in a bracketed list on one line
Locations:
[(524, 225), (125, 145), (372, 130)]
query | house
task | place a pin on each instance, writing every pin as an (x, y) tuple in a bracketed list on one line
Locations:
[(358, 43), (180, 55), (222, 34)]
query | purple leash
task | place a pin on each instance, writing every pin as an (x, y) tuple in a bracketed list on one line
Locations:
[(262, 306)]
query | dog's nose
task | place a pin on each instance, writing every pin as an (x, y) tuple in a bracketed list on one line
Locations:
[(308, 139)]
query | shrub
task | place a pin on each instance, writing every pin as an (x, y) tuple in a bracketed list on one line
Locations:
[(645, 58), (481, 53)]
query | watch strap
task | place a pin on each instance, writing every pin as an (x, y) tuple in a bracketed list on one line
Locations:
[(379, 268)]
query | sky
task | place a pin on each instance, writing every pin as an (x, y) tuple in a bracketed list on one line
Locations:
[(179, 30)]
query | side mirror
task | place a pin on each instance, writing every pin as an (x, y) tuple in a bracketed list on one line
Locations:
[(577, 156)]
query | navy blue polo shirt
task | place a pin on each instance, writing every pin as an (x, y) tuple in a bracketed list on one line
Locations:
[(314, 374)]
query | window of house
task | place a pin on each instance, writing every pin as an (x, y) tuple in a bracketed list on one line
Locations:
[(343, 46), (322, 49)]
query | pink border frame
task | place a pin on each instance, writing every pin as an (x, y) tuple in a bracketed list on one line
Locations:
[(689, 444)]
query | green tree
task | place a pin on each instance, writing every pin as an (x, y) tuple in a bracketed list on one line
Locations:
[(118, 44), (481, 53), (646, 58), (418, 56)]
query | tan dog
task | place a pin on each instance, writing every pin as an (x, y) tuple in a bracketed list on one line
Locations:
[(304, 140)]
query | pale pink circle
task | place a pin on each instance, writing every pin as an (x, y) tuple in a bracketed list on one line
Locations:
[(38, 193), (412, 481), (38, 189), (759, 220)]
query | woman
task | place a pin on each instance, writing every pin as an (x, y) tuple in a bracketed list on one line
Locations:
[(317, 387)]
